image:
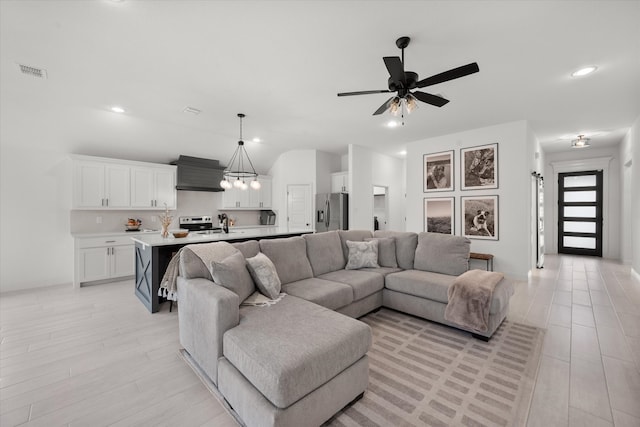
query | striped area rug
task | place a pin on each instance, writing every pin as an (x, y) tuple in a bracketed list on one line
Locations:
[(425, 374)]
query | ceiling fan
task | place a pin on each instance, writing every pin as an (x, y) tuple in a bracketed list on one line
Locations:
[(403, 82)]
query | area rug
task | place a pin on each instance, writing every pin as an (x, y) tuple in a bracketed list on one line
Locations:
[(422, 373), (425, 374)]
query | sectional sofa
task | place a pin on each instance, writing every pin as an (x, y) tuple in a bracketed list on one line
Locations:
[(299, 361)]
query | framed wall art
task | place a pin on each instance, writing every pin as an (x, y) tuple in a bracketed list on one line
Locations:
[(480, 217), (437, 171), (439, 215), (479, 167)]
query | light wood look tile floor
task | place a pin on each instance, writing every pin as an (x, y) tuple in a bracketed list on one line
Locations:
[(95, 356)]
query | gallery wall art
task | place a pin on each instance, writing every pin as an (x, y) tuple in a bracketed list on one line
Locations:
[(439, 215), (480, 217), (479, 167), (438, 172)]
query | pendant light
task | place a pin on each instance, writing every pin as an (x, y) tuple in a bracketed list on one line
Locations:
[(237, 171)]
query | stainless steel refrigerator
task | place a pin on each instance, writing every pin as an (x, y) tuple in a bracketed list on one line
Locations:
[(332, 211)]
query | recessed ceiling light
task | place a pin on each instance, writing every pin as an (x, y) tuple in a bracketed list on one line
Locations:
[(584, 71), (392, 123), (117, 109), (403, 153), (191, 110)]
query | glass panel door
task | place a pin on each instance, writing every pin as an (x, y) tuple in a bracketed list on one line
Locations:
[(580, 213)]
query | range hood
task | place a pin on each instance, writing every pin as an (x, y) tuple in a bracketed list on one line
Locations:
[(197, 174)]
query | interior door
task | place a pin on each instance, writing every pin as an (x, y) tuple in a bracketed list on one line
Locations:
[(299, 207), (580, 213)]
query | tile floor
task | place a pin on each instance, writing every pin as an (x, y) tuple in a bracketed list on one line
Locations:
[(95, 356), (590, 369)]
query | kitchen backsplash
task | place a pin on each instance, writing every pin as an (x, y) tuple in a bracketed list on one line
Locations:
[(190, 203)]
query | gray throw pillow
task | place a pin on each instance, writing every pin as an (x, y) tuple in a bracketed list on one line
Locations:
[(232, 274), (362, 254), (265, 275), (386, 251)]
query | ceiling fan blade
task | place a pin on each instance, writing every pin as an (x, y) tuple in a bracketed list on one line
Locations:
[(396, 70), (384, 107), (436, 100), (363, 92), (445, 76)]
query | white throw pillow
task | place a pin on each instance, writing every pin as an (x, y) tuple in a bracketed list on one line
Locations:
[(264, 275), (362, 254)]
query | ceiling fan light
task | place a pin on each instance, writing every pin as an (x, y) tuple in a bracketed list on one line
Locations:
[(396, 106), (412, 103)]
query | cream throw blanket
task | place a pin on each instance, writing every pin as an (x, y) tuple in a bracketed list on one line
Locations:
[(206, 252), (470, 299)]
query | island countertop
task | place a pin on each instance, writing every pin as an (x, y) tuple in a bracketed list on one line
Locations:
[(154, 253), (154, 239)]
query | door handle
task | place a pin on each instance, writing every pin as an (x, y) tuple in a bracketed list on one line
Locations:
[(327, 218)]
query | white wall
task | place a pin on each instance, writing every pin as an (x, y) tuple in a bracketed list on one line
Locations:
[(366, 169), (36, 248), (513, 249), (582, 159), (629, 155), (326, 164)]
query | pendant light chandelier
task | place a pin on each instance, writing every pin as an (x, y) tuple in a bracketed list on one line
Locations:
[(235, 174)]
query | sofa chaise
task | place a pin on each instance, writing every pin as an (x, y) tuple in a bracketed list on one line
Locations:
[(300, 360)]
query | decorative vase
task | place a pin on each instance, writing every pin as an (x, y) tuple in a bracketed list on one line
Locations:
[(165, 230)]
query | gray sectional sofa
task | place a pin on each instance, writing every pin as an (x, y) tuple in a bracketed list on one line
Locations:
[(299, 361)]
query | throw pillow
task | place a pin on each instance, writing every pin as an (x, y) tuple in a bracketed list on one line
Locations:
[(265, 275), (386, 251), (232, 274), (362, 254)]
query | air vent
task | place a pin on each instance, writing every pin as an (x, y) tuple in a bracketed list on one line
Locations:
[(33, 71), (191, 110)]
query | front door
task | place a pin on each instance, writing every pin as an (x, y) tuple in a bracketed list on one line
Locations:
[(580, 213)]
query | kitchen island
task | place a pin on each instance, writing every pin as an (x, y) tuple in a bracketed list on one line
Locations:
[(153, 253)]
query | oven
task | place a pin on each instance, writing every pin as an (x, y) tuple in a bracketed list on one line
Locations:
[(202, 224)]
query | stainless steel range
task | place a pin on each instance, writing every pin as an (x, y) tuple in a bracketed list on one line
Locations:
[(199, 224)]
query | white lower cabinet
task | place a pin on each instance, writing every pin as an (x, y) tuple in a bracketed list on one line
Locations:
[(103, 258)]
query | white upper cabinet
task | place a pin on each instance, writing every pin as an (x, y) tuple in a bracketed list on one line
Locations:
[(235, 198), (101, 183), (340, 182), (101, 186), (265, 192), (152, 187)]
